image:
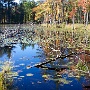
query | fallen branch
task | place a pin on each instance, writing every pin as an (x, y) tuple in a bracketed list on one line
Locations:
[(53, 59), (56, 69)]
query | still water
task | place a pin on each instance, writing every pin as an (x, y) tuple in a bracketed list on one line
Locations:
[(26, 53)]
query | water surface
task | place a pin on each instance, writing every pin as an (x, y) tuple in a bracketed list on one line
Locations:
[(28, 48)]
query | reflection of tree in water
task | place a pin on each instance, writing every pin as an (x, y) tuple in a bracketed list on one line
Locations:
[(24, 36), (55, 43), (25, 45), (6, 50)]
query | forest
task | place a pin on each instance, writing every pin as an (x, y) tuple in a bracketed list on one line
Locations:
[(58, 11), (12, 12), (48, 11)]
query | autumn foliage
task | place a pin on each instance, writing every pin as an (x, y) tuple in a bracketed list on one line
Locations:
[(72, 12), (84, 4), (62, 9)]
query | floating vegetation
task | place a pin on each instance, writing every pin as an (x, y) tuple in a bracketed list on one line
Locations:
[(22, 76), (82, 66), (29, 74), (61, 80), (45, 76), (22, 64), (28, 67)]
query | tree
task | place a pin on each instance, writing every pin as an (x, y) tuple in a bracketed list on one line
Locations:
[(73, 11), (29, 14), (1, 12), (85, 5), (42, 10), (8, 2)]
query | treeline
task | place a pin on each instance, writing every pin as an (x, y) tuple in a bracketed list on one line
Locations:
[(12, 12), (47, 11)]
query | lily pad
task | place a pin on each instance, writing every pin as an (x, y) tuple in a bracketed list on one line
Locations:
[(45, 76), (29, 74), (28, 67), (62, 80), (21, 76)]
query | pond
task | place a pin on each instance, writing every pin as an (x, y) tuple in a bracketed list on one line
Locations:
[(33, 59)]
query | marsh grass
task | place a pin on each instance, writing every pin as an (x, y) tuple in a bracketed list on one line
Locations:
[(80, 32), (5, 82), (62, 27)]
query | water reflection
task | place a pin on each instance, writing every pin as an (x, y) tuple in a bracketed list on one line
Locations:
[(56, 44), (54, 59), (6, 50)]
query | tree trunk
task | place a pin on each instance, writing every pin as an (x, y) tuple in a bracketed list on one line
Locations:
[(87, 19), (84, 18), (73, 21)]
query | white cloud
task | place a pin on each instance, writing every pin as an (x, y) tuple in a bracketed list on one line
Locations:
[(17, 1), (21, 0)]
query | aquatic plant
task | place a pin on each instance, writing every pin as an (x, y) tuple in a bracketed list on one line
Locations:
[(82, 66), (6, 76)]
